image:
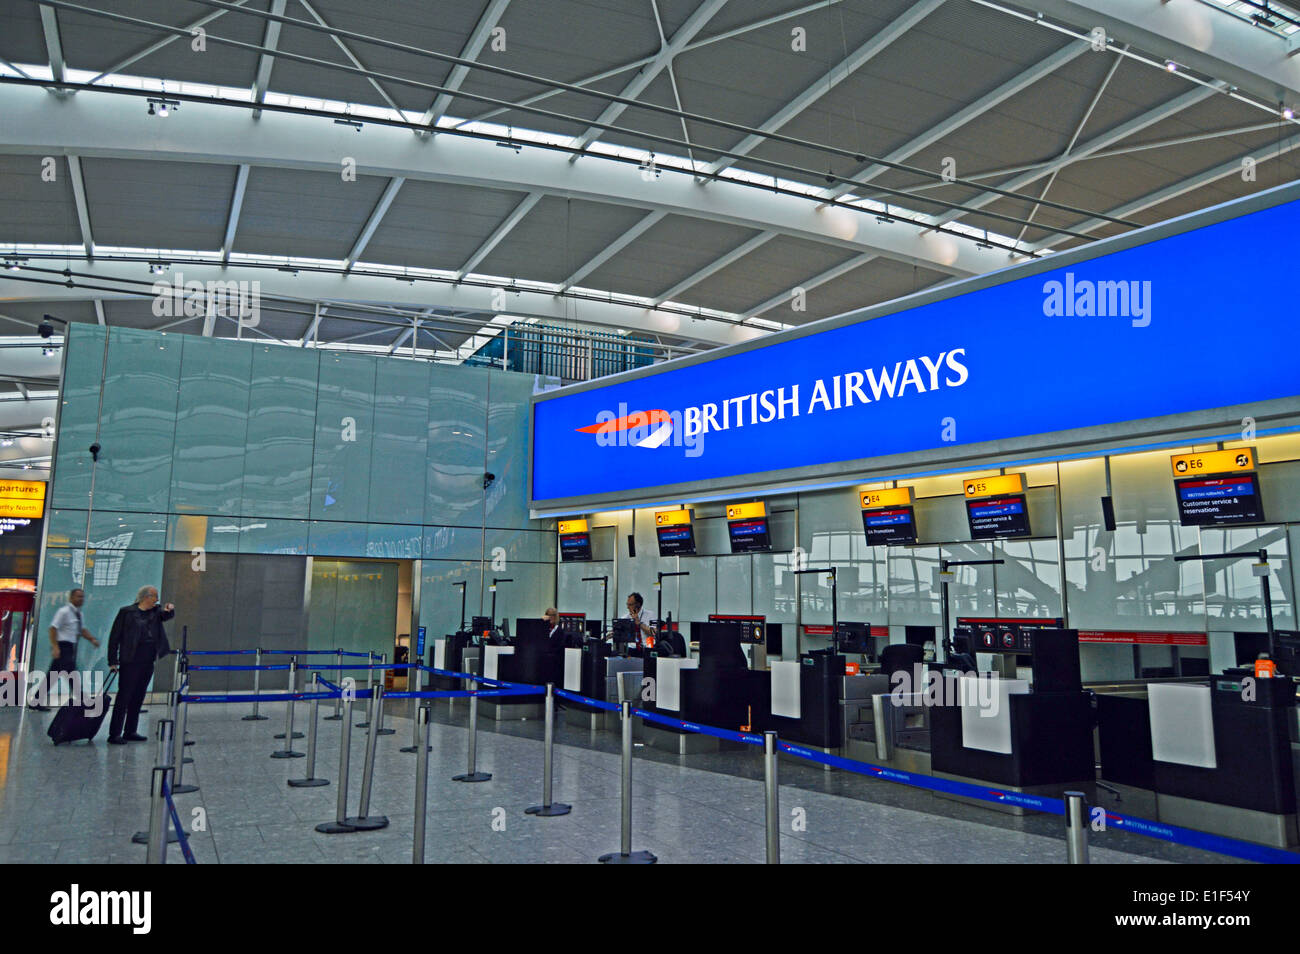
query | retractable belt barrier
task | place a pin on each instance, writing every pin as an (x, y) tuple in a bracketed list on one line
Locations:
[(181, 838), (1050, 806)]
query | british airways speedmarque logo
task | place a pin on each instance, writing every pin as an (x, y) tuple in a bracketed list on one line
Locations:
[(638, 429)]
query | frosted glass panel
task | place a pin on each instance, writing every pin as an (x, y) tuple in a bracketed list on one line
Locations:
[(211, 426), (83, 368), (735, 575), (453, 543), (281, 430), (575, 596), (457, 446), (440, 599), (1028, 583), (340, 483), (139, 421), (507, 500), (1233, 594), (913, 593), (399, 458)]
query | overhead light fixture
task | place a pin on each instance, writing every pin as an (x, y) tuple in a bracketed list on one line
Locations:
[(157, 268), (49, 352), (1171, 66), (13, 263), (1288, 112), (161, 107), (6, 442), (348, 122), (46, 328)]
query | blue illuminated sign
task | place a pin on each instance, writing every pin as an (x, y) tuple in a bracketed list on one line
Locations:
[(1181, 323)]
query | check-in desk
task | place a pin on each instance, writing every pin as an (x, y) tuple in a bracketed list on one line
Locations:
[(530, 661), (449, 653), (1000, 733), (685, 690), (804, 701), (595, 673), (1220, 757)]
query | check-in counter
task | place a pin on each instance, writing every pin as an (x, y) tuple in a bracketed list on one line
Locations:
[(1220, 756), (449, 653), (1000, 733)]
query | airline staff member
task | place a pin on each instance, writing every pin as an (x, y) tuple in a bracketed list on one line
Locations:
[(554, 635), (639, 617)]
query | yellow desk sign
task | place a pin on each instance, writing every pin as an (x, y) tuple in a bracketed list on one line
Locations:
[(746, 511), (1214, 462), (993, 486), (673, 518), (22, 499), (896, 497), (573, 526)]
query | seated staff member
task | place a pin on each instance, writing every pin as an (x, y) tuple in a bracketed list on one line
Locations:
[(557, 637), (640, 619)]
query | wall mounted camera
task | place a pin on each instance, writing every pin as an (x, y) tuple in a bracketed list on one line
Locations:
[(487, 480), (94, 451)]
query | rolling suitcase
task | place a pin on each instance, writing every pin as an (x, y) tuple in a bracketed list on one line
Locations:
[(73, 722)]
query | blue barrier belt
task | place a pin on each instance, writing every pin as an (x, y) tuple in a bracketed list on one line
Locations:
[(297, 652), (749, 738), (273, 697), (1201, 839), (462, 693), (479, 679), (180, 831), (222, 652), (328, 685), (595, 703), (355, 668), (235, 668)]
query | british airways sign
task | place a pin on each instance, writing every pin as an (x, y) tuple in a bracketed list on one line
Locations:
[(1032, 350)]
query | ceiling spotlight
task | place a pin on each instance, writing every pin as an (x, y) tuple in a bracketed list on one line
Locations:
[(49, 352), (27, 466), (6, 442), (1171, 66), (348, 122), (157, 268), (14, 264), (161, 107), (1288, 112)]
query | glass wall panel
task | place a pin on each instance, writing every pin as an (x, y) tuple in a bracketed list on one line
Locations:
[(273, 536), (457, 446), (340, 483), (211, 426), (440, 599), (527, 546), (575, 596), (353, 606), (1234, 597), (138, 429), (190, 532), (327, 538), (399, 459), (83, 355), (1029, 582), (913, 586), (507, 500), (281, 431), (391, 541), (531, 591)]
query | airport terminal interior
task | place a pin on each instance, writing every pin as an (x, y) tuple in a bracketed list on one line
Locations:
[(692, 431)]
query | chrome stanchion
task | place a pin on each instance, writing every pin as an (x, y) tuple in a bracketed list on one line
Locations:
[(421, 782), (257, 688), (338, 677), (415, 710), (293, 687), (164, 758), (311, 781), (370, 685), (771, 799), (880, 715), (288, 734), (339, 825), (473, 774), (549, 808), (383, 661), (363, 820), (1076, 828), (156, 854), (625, 855), (178, 750)]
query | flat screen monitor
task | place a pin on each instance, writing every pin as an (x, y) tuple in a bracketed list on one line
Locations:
[(719, 645), (575, 547), (573, 622), (1210, 501), (480, 625), (996, 517), (624, 631), (752, 628), (855, 638), (1248, 646), (527, 626), (676, 540), (892, 526), (593, 628), (749, 536)]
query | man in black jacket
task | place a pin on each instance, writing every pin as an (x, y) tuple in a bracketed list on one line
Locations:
[(135, 643)]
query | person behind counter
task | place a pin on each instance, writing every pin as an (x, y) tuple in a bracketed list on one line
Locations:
[(557, 637), (640, 619)]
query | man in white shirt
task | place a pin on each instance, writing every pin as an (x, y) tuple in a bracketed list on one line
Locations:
[(66, 630), (640, 618)]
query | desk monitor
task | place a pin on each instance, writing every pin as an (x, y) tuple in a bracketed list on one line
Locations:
[(624, 632), (855, 638), (1248, 646), (528, 626), (480, 625), (719, 645), (998, 517), (752, 627), (774, 645), (593, 627)]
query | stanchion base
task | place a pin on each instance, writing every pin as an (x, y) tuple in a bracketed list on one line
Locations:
[(189, 741), (256, 718), (472, 777), (362, 725), (335, 718), (415, 748), (386, 732), (308, 782), (369, 823), (549, 811), (288, 754), (184, 789), (142, 837), (187, 761), (334, 828), (635, 858), (280, 735)]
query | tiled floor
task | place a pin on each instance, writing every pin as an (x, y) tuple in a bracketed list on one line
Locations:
[(81, 803)]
